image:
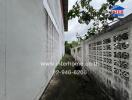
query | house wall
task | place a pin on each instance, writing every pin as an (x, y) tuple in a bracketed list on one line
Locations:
[(108, 58), (30, 36), (2, 51)]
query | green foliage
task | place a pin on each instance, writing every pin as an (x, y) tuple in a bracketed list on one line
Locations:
[(86, 14), (68, 46), (74, 44)]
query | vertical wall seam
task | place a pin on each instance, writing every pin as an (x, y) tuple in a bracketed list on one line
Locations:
[(5, 34)]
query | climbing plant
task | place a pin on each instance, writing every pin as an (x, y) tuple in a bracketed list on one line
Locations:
[(86, 13)]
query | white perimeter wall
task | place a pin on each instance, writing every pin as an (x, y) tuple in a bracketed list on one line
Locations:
[(110, 62), (29, 37)]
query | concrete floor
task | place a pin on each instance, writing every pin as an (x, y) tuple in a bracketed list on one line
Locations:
[(72, 87)]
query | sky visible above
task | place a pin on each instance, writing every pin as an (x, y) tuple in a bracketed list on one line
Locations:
[(74, 27)]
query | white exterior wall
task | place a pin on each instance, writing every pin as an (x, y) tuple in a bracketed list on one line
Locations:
[(119, 79), (29, 37), (2, 51)]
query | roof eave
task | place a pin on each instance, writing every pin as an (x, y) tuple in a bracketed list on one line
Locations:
[(65, 11)]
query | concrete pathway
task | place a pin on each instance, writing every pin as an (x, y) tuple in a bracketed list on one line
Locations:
[(72, 87)]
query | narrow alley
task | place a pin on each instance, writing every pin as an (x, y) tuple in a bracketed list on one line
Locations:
[(72, 87), (66, 50)]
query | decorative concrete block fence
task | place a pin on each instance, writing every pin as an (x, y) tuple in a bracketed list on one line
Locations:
[(108, 56)]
